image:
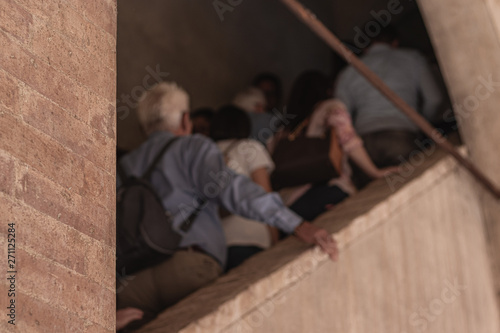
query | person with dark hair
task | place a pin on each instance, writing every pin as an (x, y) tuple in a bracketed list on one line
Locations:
[(388, 35), (201, 119), (389, 135), (323, 117), (230, 122), (231, 129), (271, 86), (309, 89)]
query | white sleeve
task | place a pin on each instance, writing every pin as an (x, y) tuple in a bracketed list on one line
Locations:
[(255, 156)]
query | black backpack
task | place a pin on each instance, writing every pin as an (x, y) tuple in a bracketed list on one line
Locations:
[(144, 233)]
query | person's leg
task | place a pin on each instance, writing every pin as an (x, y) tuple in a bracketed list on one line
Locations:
[(189, 272), (156, 288), (385, 148), (389, 148), (314, 202), (237, 254)]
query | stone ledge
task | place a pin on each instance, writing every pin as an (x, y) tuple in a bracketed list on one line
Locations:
[(275, 271)]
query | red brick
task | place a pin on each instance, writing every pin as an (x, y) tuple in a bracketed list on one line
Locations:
[(36, 316), (106, 257), (79, 64), (42, 8), (94, 328), (65, 19), (69, 131), (67, 206), (5, 301), (15, 20), (40, 151), (102, 152), (9, 91), (98, 185), (101, 13), (45, 235), (7, 173), (66, 289), (85, 34), (103, 222), (57, 147), (37, 74), (104, 118)]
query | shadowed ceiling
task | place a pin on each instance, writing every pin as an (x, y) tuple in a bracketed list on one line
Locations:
[(214, 55)]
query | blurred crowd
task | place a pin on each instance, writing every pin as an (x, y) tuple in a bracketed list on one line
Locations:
[(264, 168)]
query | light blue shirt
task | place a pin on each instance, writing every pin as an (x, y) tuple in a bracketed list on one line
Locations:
[(406, 72), (192, 169)]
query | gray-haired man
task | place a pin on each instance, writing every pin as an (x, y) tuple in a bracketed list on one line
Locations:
[(191, 170)]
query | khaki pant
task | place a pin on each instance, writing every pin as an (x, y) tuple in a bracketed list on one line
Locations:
[(156, 288)]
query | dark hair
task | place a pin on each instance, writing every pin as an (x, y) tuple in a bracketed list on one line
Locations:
[(310, 88), (388, 35), (230, 122), (266, 76), (207, 113)]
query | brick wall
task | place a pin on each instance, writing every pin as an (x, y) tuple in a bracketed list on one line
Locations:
[(57, 156)]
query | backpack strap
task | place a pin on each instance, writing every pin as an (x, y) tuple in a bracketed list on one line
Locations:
[(158, 158), (187, 223), (298, 130)]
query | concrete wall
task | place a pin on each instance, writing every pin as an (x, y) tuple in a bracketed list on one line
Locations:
[(466, 35), (212, 59), (57, 144), (413, 259)]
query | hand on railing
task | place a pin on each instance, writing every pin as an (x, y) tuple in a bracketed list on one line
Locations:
[(310, 233)]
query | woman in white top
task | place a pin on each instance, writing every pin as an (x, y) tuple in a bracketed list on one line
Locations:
[(231, 128)]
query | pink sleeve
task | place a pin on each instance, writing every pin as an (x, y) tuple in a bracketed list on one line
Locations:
[(340, 120)]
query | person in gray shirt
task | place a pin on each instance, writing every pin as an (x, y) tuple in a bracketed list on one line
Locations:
[(388, 134), (193, 170)]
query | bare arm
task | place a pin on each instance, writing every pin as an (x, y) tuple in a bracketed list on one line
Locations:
[(343, 136), (260, 176), (363, 160)]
